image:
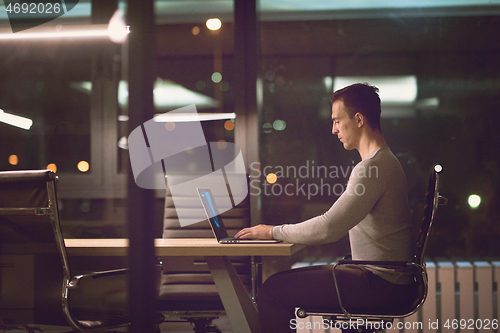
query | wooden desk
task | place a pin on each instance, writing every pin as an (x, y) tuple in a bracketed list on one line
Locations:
[(175, 247), (239, 307)]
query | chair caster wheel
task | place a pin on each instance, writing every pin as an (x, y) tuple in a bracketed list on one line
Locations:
[(301, 313)]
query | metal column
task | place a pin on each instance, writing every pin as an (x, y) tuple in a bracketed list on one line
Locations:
[(141, 75)]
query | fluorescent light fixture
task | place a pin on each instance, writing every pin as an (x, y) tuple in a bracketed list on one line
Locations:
[(123, 143), (84, 86), (328, 82), (398, 112), (14, 120), (187, 117), (168, 95), (117, 29), (398, 94), (401, 90), (317, 5), (113, 32), (430, 103)]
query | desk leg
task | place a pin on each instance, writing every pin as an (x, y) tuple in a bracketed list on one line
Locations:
[(240, 309), (256, 275)]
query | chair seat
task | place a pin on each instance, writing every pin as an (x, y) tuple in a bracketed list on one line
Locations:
[(176, 292), (394, 310), (95, 320), (189, 297), (189, 278), (192, 292)]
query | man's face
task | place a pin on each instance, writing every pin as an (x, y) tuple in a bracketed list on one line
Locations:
[(344, 127)]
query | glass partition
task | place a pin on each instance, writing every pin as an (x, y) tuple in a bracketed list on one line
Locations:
[(438, 57), (43, 87), (437, 71)]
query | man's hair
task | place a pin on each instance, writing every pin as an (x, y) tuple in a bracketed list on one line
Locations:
[(362, 98)]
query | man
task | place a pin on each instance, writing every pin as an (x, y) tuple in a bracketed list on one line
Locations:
[(373, 211)]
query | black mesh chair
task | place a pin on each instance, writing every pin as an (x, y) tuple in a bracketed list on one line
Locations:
[(375, 319), (29, 223), (188, 290)]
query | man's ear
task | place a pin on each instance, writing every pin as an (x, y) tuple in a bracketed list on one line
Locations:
[(360, 119)]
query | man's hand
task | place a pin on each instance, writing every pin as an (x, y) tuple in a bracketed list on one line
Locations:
[(260, 231)]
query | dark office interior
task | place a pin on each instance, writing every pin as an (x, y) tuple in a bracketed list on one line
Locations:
[(445, 56)]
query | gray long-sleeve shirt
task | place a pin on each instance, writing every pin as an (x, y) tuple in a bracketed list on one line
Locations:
[(373, 210)]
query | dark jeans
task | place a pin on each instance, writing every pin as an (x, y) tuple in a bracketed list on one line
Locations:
[(313, 286)]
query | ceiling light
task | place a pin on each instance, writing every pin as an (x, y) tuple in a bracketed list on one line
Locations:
[(186, 117), (168, 95), (14, 120), (80, 31), (392, 89), (117, 29)]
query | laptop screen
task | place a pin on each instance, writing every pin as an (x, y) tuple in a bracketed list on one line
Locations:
[(212, 212)]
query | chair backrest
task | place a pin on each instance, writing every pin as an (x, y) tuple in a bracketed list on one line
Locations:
[(189, 205), (29, 224), (432, 200)]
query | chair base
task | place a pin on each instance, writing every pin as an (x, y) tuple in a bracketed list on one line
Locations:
[(203, 325), (355, 324), (202, 321)]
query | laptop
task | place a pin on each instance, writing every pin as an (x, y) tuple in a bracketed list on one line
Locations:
[(208, 202)]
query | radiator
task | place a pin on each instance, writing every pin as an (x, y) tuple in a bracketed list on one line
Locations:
[(463, 297)]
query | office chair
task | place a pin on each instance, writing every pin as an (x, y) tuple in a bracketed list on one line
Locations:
[(376, 319), (29, 223), (188, 290)]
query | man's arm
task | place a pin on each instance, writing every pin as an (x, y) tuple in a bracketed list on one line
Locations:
[(350, 208)]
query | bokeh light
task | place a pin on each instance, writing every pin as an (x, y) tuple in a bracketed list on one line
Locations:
[(279, 125), (13, 160), (200, 85), (229, 125), (271, 178), (267, 128), (52, 166), (221, 144), (216, 77), (170, 126), (224, 86), (474, 201), (83, 166), (213, 24)]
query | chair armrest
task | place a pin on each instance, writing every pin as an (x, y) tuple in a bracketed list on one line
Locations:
[(96, 275), (73, 284), (347, 257), (442, 201), (371, 262), (402, 264)]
